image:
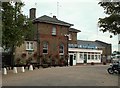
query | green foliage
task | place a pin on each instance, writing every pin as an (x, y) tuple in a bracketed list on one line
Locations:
[(16, 26), (110, 23)]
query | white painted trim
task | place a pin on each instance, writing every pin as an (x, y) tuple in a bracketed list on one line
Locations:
[(84, 50)]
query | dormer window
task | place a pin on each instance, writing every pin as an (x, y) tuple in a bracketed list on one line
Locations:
[(54, 30)]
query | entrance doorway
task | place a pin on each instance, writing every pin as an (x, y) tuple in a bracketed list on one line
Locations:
[(71, 60), (85, 58)]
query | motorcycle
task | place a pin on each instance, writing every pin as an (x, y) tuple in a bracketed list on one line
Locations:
[(114, 68)]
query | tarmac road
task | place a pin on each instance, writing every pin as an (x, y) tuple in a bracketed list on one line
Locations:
[(63, 76)]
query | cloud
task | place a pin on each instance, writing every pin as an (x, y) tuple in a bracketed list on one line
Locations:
[(84, 14)]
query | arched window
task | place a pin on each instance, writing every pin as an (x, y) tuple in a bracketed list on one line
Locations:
[(45, 47), (61, 49)]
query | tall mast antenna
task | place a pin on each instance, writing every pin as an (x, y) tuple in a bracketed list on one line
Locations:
[(57, 9)]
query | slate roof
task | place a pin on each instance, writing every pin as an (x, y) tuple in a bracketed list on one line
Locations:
[(89, 43), (47, 19), (74, 30), (101, 42)]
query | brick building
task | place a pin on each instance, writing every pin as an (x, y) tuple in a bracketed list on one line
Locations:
[(56, 39), (52, 35), (51, 38)]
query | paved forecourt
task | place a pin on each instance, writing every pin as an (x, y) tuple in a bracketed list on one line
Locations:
[(63, 76)]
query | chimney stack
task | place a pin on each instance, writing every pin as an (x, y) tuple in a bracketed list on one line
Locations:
[(32, 13), (54, 17)]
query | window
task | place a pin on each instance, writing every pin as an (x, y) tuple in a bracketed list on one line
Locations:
[(81, 55), (70, 37), (29, 46), (92, 57), (79, 46), (45, 48), (61, 49), (54, 30), (96, 57), (88, 56), (74, 56)]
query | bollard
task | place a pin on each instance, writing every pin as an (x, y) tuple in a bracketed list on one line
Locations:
[(4, 71), (31, 68), (15, 70), (23, 70)]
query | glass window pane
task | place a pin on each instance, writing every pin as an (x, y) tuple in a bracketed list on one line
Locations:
[(27, 45), (61, 48), (92, 57), (88, 57), (54, 30), (95, 57), (45, 47), (31, 45)]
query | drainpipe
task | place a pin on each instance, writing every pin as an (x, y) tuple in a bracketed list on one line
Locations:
[(38, 45)]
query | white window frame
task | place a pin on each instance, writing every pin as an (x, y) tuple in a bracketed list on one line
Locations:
[(61, 50), (29, 45), (70, 37), (45, 48), (54, 30)]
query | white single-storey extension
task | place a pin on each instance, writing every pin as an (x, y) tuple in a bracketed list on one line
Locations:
[(84, 52), (78, 56)]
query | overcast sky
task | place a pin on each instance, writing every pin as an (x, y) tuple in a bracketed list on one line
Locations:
[(84, 14)]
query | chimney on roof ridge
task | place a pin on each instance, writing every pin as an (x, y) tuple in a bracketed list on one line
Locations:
[(32, 13), (54, 17)]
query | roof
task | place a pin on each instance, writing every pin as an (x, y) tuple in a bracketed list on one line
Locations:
[(89, 43), (74, 30), (54, 20), (101, 42)]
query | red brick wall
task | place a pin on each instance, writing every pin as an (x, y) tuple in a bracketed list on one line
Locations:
[(45, 31), (73, 38)]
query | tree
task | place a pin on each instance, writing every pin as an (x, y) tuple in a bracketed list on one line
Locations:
[(15, 26), (111, 23)]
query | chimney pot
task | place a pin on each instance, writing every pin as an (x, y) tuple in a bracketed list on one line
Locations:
[(54, 17)]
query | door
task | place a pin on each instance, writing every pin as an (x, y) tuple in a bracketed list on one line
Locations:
[(71, 60), (74, 59), (85, 58)]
